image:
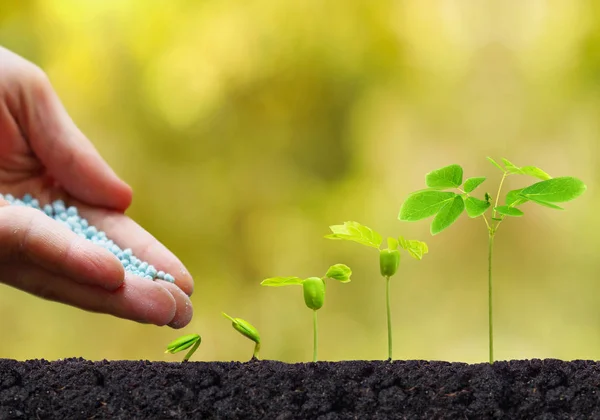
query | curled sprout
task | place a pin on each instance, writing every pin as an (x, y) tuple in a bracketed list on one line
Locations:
[(248, 331), (313, 289), (184, 343), (389, 258)]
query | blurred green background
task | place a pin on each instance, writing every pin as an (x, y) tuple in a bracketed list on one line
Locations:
[(247, 128)]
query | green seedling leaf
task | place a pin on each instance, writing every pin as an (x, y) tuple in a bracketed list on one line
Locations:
[(545, 204), (555, 190), (496, 164), (392, 243), (340, 272), (509, 211), (354, 231), (244, 328), (510, 167), (314, 292), (424, 204), (472, 183), (526, 170), (389, 260), (183, 343), (447, 215), (446, 177), (415, 248), (514, 198), (535, 172), (281, 281), (476, 207), (247, 330)]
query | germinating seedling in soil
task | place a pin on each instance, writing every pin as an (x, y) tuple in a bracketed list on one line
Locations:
[(314, 292), (447, 206), (389, 258), (247, 330), (183, 343)]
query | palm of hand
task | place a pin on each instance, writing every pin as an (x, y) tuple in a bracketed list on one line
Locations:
[(43, 153)]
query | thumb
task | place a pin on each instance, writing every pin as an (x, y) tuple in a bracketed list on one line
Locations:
[(69, 156), (29, 236)]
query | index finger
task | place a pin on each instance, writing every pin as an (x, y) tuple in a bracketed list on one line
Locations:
[(128, 234)]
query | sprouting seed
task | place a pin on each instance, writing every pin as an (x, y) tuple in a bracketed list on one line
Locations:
[(389, 258), (313, 289), (183, 343), (247, 330)]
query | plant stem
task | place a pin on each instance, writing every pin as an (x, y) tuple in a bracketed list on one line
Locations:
[(192, 350), (490, 314), (315, 335), (499, 189), (389, 317), (256, 351)]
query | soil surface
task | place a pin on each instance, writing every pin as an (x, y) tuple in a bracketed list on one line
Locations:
[(80, 389)]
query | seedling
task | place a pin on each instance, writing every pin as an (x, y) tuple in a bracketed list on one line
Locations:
[(389, 258), (447, 206), (183, 343), (314, 292), (247, 330)]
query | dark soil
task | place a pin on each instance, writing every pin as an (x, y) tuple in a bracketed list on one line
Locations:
[(80, 389)]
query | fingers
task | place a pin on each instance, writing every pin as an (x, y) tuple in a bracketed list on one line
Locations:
[(27, 235), (128, 234), (63, 149), (138, 299), (184, 309)]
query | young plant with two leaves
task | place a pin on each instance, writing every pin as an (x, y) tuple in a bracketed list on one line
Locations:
[(389, 258), (314, 292), (447, 197)]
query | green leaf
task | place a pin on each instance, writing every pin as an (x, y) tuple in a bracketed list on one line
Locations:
[(244, 328), (447, 215), (545, 204), (472, 183), (514, 198), (555, 190), (535, 172), (496, 164), (509, 211), (182, 343), (510, 167), (281, 281), (355, 232), (415, 248), (526, 170), (339, 272), (476, 207), (392, 243), (424, 204), (446, 177)]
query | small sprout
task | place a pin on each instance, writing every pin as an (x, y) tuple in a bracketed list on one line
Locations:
[(183, 343), (247, 330), (389, 258), (447, 206), (313, 289)]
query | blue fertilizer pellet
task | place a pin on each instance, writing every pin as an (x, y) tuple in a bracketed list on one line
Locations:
[(69, 217)]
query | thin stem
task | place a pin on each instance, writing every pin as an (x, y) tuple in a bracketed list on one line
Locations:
[(490, 314), (499, 189), (389, 317), (486, 222), (315, 335), (256, 351), (192, 350)]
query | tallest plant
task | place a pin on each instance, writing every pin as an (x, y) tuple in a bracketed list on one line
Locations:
[(447, 197)]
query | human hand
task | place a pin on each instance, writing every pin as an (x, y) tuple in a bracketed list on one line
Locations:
[(43, 153)]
